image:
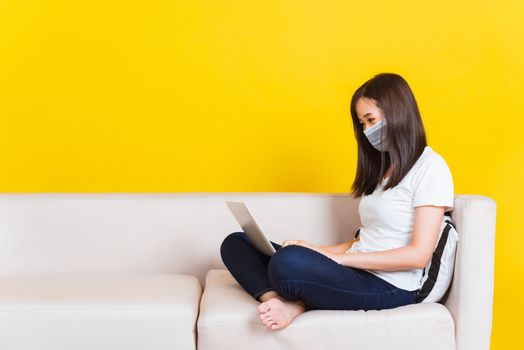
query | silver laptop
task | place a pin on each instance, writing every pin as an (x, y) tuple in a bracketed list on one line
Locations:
[(251, 227)]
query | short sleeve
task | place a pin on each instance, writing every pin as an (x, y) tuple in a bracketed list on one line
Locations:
[(433, 184)]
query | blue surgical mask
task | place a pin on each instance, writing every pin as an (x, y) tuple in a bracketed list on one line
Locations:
[(377, 135)]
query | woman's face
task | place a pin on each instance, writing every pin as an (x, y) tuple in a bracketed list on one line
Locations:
[(368, 113)]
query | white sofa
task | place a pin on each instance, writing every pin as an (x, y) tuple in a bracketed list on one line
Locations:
[(143, 271)]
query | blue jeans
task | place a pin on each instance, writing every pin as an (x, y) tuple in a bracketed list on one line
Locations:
[(300, 273)]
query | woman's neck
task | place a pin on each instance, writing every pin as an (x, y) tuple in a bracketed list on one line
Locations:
[(388, 172)]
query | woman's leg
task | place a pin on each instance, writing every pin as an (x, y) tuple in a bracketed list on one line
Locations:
[(300, 273), (247, 265), (303, 276)]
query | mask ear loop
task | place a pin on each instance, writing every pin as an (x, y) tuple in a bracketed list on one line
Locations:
[(383, 141), (383, 135)]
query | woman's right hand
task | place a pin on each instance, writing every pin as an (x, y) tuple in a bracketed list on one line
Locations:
[(298, 242)]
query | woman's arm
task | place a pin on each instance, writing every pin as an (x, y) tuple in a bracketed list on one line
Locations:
[(426, 229), (416, 255), (334, 248), (338, 248)]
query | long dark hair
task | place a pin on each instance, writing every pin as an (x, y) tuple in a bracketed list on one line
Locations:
[(405, 133)]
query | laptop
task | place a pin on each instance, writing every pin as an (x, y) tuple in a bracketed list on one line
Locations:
[(251, 227)]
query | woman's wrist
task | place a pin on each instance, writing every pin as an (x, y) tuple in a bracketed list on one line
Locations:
[(333, 256)]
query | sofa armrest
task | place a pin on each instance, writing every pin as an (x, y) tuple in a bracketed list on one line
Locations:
[(470, 297)]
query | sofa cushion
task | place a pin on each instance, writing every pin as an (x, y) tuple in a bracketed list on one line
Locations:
[(229, 319), (98, 311)]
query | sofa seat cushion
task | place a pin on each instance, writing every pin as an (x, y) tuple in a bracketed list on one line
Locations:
[(229, 319), (99, 311)]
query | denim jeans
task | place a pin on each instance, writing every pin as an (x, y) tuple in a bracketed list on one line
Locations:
[(300, 273)]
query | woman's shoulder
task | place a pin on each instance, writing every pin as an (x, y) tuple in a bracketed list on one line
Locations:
[(430, 163), (430, 156)]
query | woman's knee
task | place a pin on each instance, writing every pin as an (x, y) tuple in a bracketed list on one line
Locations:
[(289, 263), (231, 243)]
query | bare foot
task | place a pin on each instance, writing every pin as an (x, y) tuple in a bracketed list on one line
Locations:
[(278, 313)]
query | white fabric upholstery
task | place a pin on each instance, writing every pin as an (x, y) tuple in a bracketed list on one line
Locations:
[(73, 236), (152, 233), (470, 297), (229, 320), (98, 312)]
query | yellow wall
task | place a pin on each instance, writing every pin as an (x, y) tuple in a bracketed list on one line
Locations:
[(233, 95)]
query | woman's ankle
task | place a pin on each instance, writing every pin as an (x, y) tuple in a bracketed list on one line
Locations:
[(298, 303), (269, 295), (272, 294)]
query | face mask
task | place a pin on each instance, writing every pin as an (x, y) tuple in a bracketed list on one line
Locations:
[(374, 135)]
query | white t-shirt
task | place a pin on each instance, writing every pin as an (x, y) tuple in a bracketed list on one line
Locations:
[(387, 217)]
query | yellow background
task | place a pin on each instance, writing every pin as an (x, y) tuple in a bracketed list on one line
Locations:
[(233, 95)]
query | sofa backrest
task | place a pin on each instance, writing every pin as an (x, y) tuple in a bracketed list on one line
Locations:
[(470, 296), (154, 233)]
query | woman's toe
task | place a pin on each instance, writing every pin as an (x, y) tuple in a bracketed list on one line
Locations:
[(274, 326), (263, 307)]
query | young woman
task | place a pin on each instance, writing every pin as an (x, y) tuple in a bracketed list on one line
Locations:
[(404, 187)]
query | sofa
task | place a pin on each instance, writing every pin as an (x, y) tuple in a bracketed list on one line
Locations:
[(143, 271)]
